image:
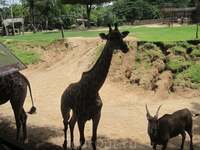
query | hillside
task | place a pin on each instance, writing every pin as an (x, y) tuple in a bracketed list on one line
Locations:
[(123, 123)]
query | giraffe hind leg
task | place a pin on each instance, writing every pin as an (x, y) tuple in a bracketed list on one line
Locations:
[(71, 126), (24, 120), (20, 119), (65, 123), (66, 117)]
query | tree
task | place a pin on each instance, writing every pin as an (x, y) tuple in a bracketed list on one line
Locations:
[(106, 16), (8, 3), (131, 10), (47, 7), (89, 4), (31, 4)]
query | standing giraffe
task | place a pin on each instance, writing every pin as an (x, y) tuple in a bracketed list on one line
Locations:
[(83, 97), (13, 87)]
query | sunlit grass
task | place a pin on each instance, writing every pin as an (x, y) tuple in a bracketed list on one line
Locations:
[(181, 33)]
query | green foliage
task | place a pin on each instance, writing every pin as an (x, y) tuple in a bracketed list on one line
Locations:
[(148, 46), (129, 10), (195, 53), (28, 57), (178, 50), (99, 51), (148, 65), (178, 65), (183, 44), (105, 16), (148, 52), (189, 77), (52, 12), (25, 52), (185, 67), (73, 26), (169, 44)]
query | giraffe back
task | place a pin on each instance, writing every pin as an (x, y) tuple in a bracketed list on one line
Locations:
[(13, 86)]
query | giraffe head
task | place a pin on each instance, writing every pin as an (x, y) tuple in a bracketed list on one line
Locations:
[(115, 38)]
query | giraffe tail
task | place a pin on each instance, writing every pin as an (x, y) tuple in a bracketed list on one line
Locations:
[(33, 108)]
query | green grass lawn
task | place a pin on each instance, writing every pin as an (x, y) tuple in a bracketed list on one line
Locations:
[(181, 33)]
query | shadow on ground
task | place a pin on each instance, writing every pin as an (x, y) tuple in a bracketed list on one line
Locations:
[(39, 135)]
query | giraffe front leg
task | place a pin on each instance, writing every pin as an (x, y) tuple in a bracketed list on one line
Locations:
[(94, 131), (96, 119), (81, 126), (71, 126)]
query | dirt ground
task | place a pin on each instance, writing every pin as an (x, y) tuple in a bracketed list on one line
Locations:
[(123, 123)]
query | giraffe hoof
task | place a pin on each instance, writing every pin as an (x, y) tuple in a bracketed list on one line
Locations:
[(26, 141), (65, 145)]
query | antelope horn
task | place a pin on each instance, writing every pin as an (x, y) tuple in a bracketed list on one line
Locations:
[(156, 115), (148, 113)]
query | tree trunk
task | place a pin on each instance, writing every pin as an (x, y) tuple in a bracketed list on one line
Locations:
[(47, 22), (89, 7), (62, 31), (32, 13), (4, 28)]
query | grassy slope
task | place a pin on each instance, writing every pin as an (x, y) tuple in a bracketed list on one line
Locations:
[(19, 44)]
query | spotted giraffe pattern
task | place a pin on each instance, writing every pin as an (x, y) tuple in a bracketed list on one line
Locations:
[(83, 97), (13, 87)]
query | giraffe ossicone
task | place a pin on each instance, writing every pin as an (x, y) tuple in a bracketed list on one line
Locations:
[(83, 97)]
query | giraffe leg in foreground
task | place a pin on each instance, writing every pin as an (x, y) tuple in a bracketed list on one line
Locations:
[(81, 127), (66, 117), (71, 126), (65, 134), (95, 121), (20, 116), (24, 120), (94, 131)]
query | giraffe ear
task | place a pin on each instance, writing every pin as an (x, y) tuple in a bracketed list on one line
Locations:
[(103, 36), (125, 33)]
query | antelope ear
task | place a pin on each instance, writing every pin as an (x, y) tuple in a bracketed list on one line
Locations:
[(148, 116), (125, 33), (103, 36), (156, 117)]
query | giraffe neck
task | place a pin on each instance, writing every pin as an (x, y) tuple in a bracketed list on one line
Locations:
[(97, 74)]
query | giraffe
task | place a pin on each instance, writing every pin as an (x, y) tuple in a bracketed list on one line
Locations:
[(13, 87), (83, 97)]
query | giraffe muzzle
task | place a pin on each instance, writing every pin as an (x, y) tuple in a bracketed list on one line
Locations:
[(124, 49)]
